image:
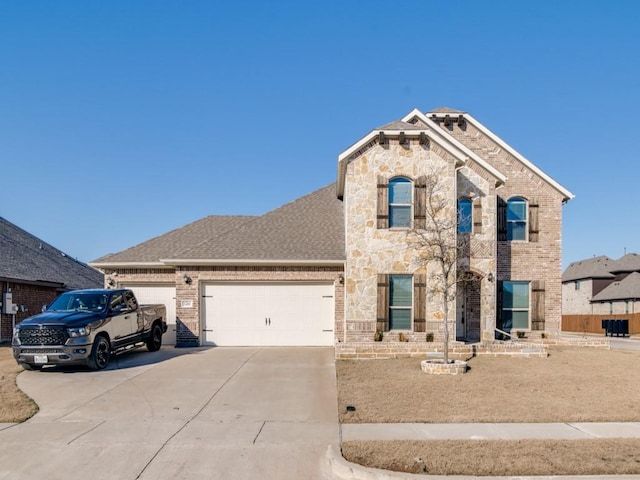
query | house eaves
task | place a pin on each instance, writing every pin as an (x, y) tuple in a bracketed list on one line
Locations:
[(394, 129), (252, 262), (107, 265), (567, 195)]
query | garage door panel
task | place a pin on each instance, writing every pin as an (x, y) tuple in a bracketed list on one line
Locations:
[(294, 314), (164, 294)]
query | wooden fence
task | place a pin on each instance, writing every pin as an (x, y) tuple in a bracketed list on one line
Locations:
[(593, 323)]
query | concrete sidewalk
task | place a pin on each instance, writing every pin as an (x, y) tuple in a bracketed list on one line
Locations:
[(487, 431)]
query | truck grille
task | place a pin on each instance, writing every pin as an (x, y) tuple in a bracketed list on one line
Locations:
[(43, 336)]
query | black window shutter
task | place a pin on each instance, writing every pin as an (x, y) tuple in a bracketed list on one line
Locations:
[(502, 219), (499, 304), (419, 305), (382, 321), (383, 202), (533, 221)]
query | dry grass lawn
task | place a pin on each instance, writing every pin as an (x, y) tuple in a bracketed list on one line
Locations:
[(571, 385), (15, 406)]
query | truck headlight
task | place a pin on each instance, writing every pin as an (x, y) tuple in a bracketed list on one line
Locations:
[(78, 332)]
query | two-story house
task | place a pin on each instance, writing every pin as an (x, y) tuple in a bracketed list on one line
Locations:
[(335, 266), (600, 288)]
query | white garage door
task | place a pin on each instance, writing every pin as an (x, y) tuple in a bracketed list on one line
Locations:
[(269, 314), (165, 294)]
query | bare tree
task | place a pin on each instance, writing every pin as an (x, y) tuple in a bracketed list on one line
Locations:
[(436, 243)]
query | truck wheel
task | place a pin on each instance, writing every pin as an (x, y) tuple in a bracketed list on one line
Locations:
[(100, 353), (154, 342)]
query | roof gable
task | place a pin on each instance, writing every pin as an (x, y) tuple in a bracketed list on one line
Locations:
[(443, 111), (413, 125), (27, 258)]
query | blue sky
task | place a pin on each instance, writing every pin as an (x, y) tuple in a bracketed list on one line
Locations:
[(121, 120)]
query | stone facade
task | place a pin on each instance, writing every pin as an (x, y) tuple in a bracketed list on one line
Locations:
[(485, 260)]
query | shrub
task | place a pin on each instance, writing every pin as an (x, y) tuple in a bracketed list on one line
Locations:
[(430, 337), (377, 337)]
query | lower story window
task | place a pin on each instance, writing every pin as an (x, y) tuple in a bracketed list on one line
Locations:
[(515, 305), (400, 302)]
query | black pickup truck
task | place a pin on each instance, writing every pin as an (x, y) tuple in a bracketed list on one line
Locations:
[(86, 327)]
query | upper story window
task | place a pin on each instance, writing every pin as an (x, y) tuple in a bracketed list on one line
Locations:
[(577, 284), (465, 209), (517, 219), (400, 202)]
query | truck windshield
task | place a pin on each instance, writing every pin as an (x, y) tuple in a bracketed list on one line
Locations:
[(90, 302)]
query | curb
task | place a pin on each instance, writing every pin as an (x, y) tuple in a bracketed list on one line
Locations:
[(335, 467)]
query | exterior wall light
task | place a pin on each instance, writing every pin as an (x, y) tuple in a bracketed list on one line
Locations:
[(490, 277), (187, 279)]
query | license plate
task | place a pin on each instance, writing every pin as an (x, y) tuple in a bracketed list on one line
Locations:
[(40, 359)]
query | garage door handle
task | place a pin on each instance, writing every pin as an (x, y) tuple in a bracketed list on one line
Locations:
[(327, 330), (205, 330), (267, 322)]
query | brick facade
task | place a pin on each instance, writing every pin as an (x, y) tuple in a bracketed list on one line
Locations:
[(189, 295), (30, 299)]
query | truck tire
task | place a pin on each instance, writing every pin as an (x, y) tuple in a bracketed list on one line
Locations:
[(100, 353), (154, 342)]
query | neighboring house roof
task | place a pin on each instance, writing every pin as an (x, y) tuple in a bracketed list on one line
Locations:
[(597, 267), (170, 244), (432, 131), (629, 263), (626, 289), (26, 258), (307, 230)]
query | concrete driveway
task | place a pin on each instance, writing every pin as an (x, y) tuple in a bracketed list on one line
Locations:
[(220, 413)]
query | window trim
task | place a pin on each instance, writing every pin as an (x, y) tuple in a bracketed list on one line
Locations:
[(509, 223), (409, 308), (400, 179), (469, 222), (519, 309)]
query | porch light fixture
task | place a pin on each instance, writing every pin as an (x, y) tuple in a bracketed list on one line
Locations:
[(187, 279), (111, 282), (490, 277), (340, 278)]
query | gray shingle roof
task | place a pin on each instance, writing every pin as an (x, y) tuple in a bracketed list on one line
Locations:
[(626, 289), (310, 228), (171, 243), (597, 267), (629, 263), (25, 257), (446, 110), (400, 126)]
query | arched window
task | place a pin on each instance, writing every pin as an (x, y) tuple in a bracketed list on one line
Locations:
[(464, 215), (517, 219), (400, 202)]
